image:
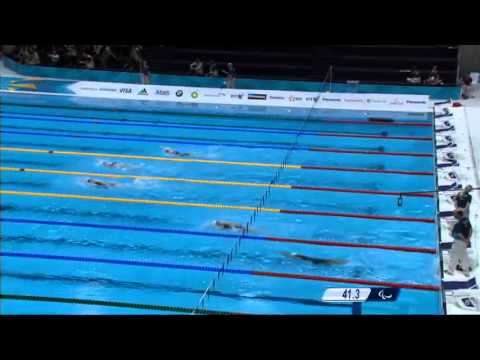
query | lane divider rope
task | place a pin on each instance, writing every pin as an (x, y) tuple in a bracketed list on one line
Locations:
[(206, 143), (226, 236), (216, 206), (415, 286), (325, 120), (221, 162), (124, 122), (111, 304), (144, 157), (216, 182), (371, 152)]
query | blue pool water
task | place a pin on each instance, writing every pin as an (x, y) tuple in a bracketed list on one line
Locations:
[(164, 254)]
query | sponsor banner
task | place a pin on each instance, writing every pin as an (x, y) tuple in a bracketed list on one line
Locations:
[(161, 92), (184, 94)]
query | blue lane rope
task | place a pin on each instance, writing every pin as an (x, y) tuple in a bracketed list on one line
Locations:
[(136, 139), (132, 228), (146, 124), (121, 262)]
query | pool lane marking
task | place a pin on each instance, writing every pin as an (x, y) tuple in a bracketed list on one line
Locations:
[(227, 270), (124, 122), (363, 170), (221, 162), (206, 143), (381, 137), (216, 182), (135, 201), (145, 177), (371, 152), (215, 206), (226, 235), (114, 304), (367, 122), (143, 157)]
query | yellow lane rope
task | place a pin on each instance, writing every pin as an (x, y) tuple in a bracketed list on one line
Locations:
[(137, 201), (158, 158), (141, 177)]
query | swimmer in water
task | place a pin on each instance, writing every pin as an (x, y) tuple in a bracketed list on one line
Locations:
[(175, 152), (314, 261), (226, 225), (116, 165), (113, 165), (100, 183)]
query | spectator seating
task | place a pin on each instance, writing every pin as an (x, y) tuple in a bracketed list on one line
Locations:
[(383, 64)]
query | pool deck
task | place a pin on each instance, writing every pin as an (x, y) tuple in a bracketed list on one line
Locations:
[(466, 135)]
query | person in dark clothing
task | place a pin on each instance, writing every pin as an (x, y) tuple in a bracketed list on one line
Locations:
[(53, 56), (196, 68), (212, 69), (461, 233), (414, 77), (107, 57), (135, 58), (433, 78), (86, 60), (463, 200), (467, 88)]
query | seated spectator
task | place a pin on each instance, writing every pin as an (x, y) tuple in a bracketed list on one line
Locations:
[(212, 69), (467, 88), (97, 49), (31, 56), (106, 56), (433, 78), (20, 55), (53, 56), (70, 55), (414, 77), (135, 58), (196, 68), (86, 60)]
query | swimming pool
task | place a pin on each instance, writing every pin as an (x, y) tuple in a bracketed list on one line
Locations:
[(148, 245)]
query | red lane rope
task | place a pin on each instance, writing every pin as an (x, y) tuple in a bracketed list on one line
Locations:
[(365, 122), (359, 191), (370, 152), (354, 245), (403, 172), (420, 138), (349, 281), (360, 216)]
